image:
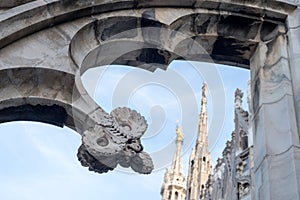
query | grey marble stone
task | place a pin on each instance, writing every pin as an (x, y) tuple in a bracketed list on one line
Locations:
[(46, 45)]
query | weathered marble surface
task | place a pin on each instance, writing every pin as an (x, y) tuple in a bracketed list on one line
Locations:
[(13, 3), (276, 131), (62, 39)]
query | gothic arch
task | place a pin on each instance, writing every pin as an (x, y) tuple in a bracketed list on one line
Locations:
[(38, 35), (29, 93)]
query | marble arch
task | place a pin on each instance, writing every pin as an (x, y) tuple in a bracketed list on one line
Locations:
[(46, 44)]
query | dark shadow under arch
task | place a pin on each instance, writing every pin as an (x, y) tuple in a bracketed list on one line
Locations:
[(55, 114)]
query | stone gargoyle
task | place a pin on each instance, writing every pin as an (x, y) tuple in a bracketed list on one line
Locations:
[(116, 140)]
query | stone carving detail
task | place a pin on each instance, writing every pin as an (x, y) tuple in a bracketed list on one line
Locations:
[(238, 98), (240, 167), (244, 189), (115, 140)]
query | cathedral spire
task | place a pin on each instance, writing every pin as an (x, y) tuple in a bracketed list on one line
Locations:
[(174, 186), (200, 165)]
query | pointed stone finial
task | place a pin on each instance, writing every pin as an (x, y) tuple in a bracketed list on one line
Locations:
[(238, 98)]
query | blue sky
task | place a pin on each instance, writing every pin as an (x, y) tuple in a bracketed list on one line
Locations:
[(39, 161)]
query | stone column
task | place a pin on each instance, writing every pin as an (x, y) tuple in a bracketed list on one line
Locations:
[(276, 139), (293, 24)]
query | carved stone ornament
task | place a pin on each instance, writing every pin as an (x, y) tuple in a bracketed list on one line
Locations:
[(244, 189), (240, 167), (238, 98), (116, 140)]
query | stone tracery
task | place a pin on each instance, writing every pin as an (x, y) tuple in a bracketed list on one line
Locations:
[(38, 37)]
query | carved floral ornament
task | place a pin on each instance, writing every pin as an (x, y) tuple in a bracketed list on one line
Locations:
[(116, 140)]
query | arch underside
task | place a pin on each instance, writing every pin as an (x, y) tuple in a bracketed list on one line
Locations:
[(46, 47), (36, 94)]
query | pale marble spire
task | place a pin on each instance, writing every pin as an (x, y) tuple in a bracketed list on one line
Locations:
[(200, 165), (174, 186)]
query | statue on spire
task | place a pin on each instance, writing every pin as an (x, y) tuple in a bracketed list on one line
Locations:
[(204, 98), (238, 98), (204, 90), (179, 133)]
